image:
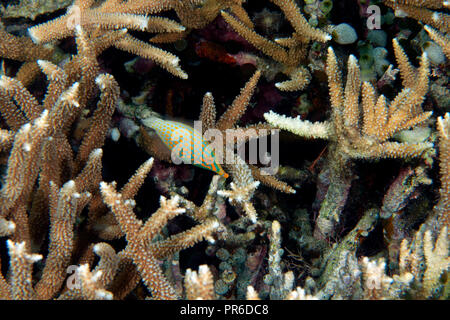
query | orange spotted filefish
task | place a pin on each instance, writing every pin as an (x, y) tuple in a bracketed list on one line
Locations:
[(187, 143)]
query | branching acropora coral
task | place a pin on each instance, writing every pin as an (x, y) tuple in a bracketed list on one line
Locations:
[(422, 10), (197, 14), (39, 136), (365, 134), (55, 205), (281, 284), (32, 8), (423, 267), (35, 185), (102, 21), (199, 286), (440, 38), (443, 206), (246, 177), (139, 236), (287, 51), (24, 50)]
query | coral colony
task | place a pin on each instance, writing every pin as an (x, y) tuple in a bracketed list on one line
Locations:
[(132, 167)]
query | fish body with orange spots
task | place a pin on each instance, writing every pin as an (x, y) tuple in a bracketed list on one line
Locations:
[(186, 144)]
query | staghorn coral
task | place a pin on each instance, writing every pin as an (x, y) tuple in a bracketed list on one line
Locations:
[(199, 286), (24, 50), (70, 117), (422, 11), (34, 162), (443, 206), (197, 14), (40, 133), (246, 177), (101, 22), (139, 236), (368, 138), (199, 17), (377, 285), (32, 8), (440, 38), (435, 253), (423, 263), (287, 51), (281, 284)]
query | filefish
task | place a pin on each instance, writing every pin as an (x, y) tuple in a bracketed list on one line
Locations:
[(187, 143)]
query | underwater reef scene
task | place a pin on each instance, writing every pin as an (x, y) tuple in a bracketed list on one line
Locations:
[(224, 149)]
